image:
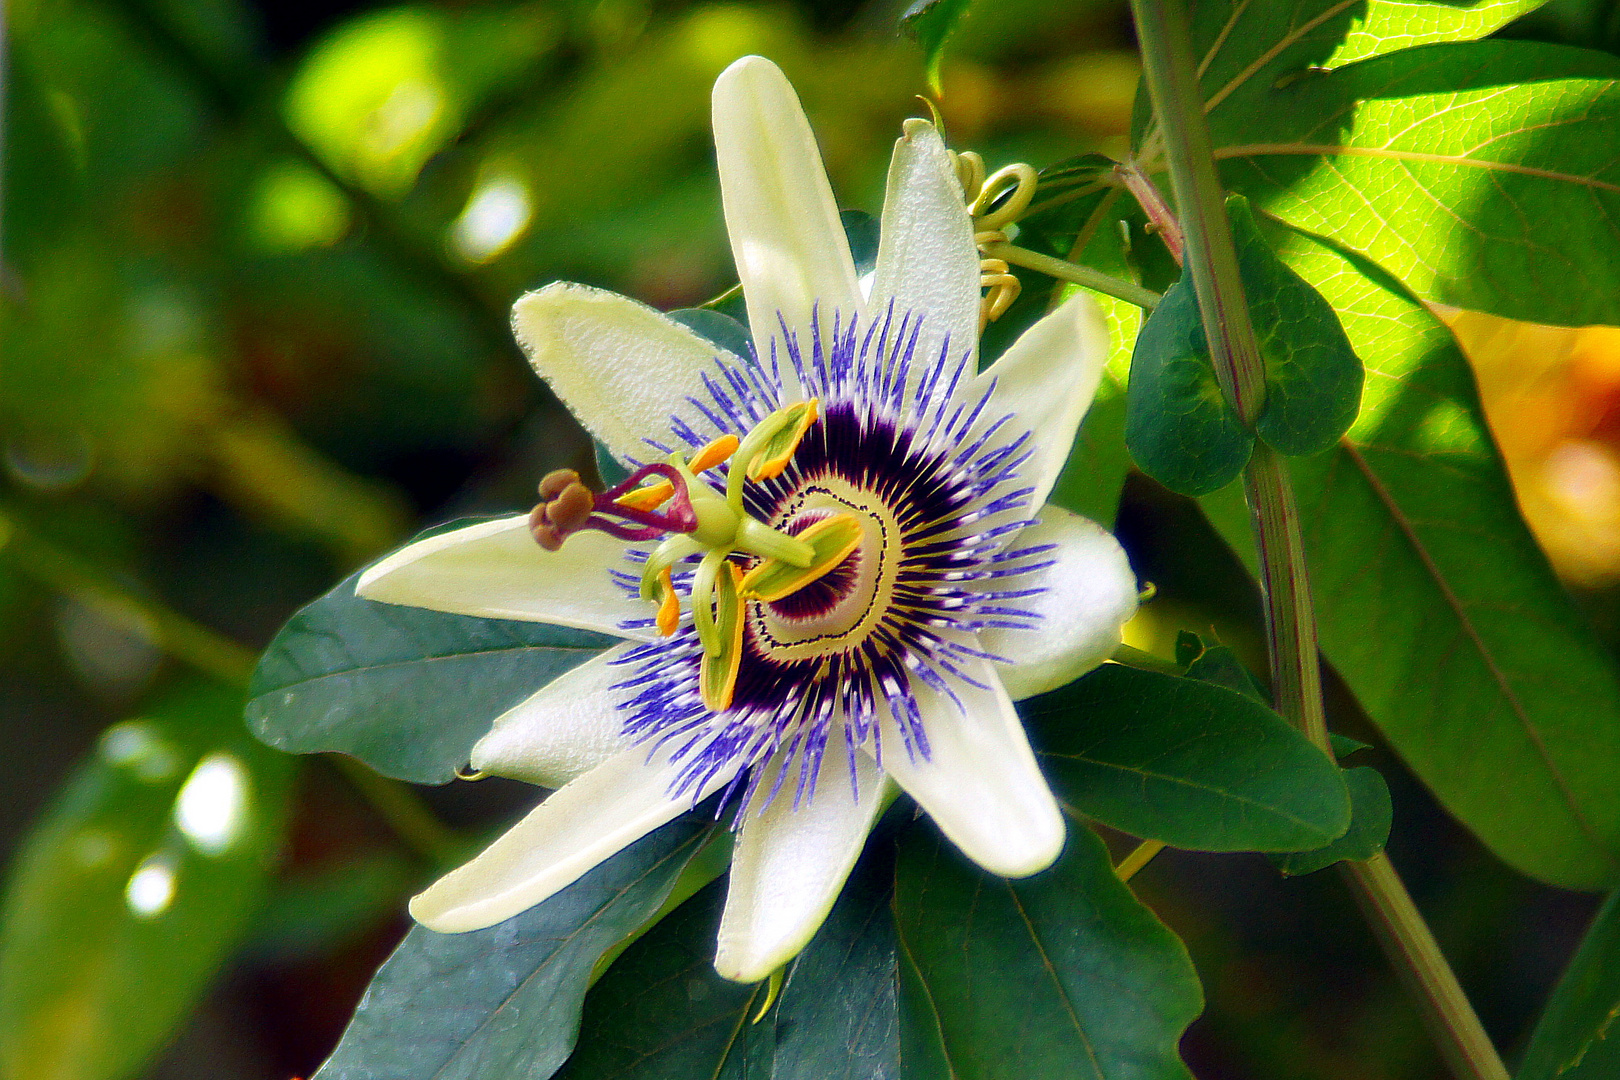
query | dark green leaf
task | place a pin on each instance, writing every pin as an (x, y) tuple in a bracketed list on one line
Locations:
[(838, 1017), (1186, 762), (608, 469), (134, 886), (1219, 665), (717, 329), (406, 690), (1062, 975), (1435, 604), (931, 22), (1178, 425), (1344, 745), (506, 1001), (861, 230), (1369, 827), (1313, 377), (1575, 1038), (1478, 174), (662, 1012)]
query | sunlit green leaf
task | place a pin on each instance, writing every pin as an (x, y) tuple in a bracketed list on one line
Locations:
[(1435, 604), (1575, 1038), (1062, 976), (134, 886), (1187, 762), (1369, 826), (506, 1001), (406, 690), (1478, 174)]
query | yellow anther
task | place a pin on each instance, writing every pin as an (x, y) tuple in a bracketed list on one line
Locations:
[(650, 497), (774, 456), (717, 674), (833, 539), (713, 454), (669, 605)]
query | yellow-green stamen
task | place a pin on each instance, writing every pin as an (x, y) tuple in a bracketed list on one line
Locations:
[(832, 539)]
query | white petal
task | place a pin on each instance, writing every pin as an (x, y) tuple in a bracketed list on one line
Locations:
[(1048, 378), (791, 253), (495, 570), (979, 782), (1090, 593), (582, 823), (927, 264), (572, 725), (790, 863), (622, 368)]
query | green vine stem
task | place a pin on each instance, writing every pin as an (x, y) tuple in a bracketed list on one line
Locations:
[(1119, 288), (218, 657), (1211, 261)]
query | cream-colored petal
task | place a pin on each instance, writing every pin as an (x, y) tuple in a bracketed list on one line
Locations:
[(622, 368), (979, 781), (582, 823), (927, 264), (1047, 378), (790, 863), (1089, 593), (495, 570), (791, 253), (567, 728)]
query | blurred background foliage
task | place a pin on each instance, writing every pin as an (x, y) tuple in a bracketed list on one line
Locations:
[(255, 267)]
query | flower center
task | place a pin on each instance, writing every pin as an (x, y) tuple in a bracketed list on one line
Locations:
[(837, 611), (697, 521)]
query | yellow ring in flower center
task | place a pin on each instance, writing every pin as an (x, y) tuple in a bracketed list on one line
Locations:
[(852, 617)]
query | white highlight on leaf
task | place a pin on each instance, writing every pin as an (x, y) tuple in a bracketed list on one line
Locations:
[(212, 808), (135, 745), (496, 215), (151, 888)]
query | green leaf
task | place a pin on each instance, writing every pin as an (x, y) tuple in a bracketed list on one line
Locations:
[(661, 1011), (1478, 174), (1178, 425), (1246, 50), (861, 230), (134, 886), (406, 690), (1190, 763), (1094, 475), (1216, 664), (838, 1017), (717, 329), (931, 22), (1370, 817), (506, 1001), (1344, 745), (1313, 377), (1062, 975), (1436, 606), (1575, 1038)]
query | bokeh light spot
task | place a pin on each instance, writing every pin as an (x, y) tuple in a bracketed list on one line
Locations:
[(497, 213), (136, 745), (212, 807), (151, 888)]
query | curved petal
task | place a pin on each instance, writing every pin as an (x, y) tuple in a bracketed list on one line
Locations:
[(1048, 378), (791, 253), (790, 864), (979, 781), (495, 570), (622, 368), (1088, 593), (927, 263), (582, 823), (570, 726)]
